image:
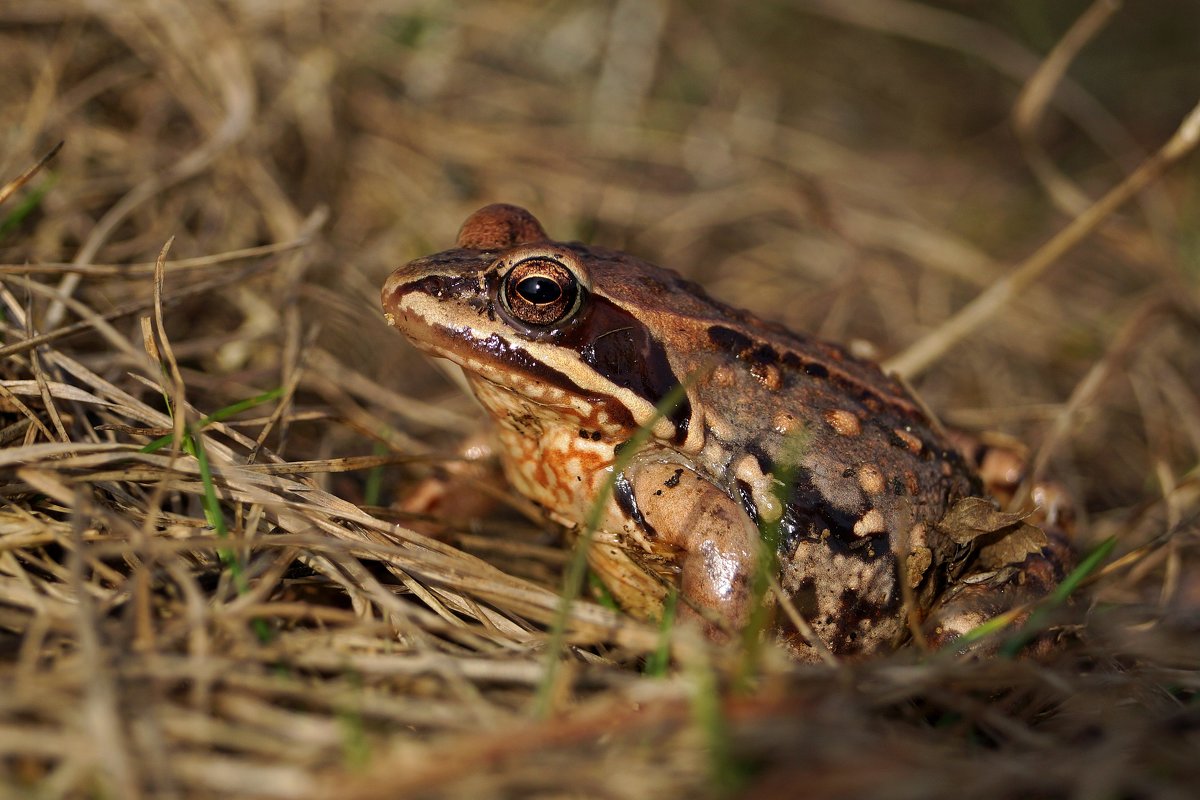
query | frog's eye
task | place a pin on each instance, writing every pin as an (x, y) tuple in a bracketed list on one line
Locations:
[(540, 291)]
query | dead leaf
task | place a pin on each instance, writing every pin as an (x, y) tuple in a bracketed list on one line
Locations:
[(973, 517), (1012, 546), (999, 537)]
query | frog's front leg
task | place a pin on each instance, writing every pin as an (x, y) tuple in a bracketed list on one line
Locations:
[(450, 497), (716, 541)]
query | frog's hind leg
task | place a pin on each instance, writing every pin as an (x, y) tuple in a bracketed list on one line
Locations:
[(979, 596)]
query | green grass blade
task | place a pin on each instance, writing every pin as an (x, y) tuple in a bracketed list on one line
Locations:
[(373, 489), (193, 444), (767, 561), (728, 774), (212, 513), (26, 207), (660, 659), (219, 415)]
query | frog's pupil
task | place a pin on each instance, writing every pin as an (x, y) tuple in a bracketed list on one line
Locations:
[(539, 290)]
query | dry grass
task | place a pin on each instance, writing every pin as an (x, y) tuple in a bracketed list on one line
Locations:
[(236, 612)]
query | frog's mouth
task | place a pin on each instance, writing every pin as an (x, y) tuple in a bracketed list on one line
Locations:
[(428, 310), (487, 356), (608, 366)]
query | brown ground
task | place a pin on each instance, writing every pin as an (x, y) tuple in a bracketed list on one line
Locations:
[(850, 168)]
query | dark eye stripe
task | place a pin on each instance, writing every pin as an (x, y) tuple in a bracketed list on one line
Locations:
[(619, 347)]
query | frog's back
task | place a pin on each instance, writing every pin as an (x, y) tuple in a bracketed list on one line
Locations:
[(867, 474)]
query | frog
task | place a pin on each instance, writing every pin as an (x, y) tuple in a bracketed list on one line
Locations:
[(755, 438)]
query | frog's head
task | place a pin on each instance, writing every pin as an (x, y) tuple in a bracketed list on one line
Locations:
[(579, 332)]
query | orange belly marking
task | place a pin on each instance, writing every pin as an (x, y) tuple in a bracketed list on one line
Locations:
[(559, 470)]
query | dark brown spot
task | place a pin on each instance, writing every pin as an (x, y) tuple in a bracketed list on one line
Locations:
[(809, 515), (623, 494), (729, 340), (854, 609), (816, 370), (805, 598), (618, 346), (746, 494), (763, 355), (441, 286)]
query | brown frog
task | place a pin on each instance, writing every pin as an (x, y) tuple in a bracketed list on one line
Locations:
[(571, 347)]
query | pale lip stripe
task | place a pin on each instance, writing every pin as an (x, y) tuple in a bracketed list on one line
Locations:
[(434, 314)]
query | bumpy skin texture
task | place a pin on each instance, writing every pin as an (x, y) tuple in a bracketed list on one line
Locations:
[(570, 379)]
